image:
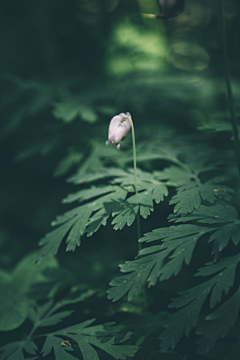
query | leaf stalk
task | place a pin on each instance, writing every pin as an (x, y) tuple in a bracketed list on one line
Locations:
[(135, 177)]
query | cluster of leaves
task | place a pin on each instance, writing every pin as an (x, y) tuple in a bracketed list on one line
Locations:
[(116, 198), (98, 203), (81, 337), (220, 224), (171, 170), (192, 207), (66, 343), (107, 191)]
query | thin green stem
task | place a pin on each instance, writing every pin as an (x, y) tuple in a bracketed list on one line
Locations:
[(135, 176), (136, 191), (134, 154), (34, 328), (228, 82)]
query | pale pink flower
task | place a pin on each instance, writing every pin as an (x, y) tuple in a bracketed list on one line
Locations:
[(118, 128)]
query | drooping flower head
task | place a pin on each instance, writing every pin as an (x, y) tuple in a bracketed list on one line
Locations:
[(118, 128)]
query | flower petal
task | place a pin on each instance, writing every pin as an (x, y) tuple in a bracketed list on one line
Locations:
[(118, 128)]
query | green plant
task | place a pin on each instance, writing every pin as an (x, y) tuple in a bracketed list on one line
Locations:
[(183, 278)]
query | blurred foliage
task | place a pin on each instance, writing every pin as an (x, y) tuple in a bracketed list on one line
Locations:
[(14, 290), (67, 67)]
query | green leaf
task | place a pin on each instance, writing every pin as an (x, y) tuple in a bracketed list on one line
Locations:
[(88, 194), (222, 236), (133, 282), (218, 323), (72, 158), (55, 319), (99, 203), (77, 221), (177, 245), (210, 215), (93, 168), (126, 212), (60, 352), (8, 351), (189, 197), (88, 176), (178, 241), (14, 350), (30, 347), (175, 175), (191, 301), (89, 338), (52, 241), (41, 316), (218, 121), (71, 109), (145, 328), (233, 354), (14, 301), (226, 217), (226, 277), (182, 321), (15, 355), (47, 315), (77, 230)]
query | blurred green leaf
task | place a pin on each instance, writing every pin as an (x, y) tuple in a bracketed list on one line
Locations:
[(14, 286), (69, 111)]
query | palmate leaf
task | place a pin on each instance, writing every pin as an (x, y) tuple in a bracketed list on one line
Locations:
[(189, 197), (178, 241), (218, 323), (60, 352), (74, 222), (192, 300), (143, 202), (177, 246), (226, 217), (145, 329), (8, 351), (217, 214), (48, 315), (70, 109), (176, 175), (87, 339), (98, 203), (93, 168), (81, 337), (84, 175), (191, 191), (14, 351)]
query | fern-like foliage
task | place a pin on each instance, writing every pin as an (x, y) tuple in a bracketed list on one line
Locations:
[(109, 192), (100, 202), (65, 342), (191, 191), (177, 246), (190, 302), (117, 198), (15, 286), (221, 224)]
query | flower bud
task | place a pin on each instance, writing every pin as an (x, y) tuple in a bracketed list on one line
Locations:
[(118, 128), (170, 8)]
